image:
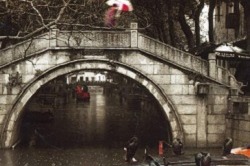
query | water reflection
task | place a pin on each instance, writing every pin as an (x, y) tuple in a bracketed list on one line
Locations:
[(93, 134), (103, 121), (87, 134)]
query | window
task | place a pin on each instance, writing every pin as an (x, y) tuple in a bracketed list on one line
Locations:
[(218, 10)]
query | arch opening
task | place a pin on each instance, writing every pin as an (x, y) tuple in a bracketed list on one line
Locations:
[(137, 78)]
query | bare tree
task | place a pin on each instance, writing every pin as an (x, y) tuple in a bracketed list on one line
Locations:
[(211, 20), (168, 18), (184, 25), (34, 17), (246, 6), (197, 22), (171, 23)]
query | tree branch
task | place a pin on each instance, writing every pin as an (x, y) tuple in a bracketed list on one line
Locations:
[(41, 28)]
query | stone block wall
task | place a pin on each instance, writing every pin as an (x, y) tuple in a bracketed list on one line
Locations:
[(223, 34), (201, 116), (238, 128), (217, 108)]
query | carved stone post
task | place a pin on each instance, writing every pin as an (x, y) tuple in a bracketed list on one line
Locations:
[(134, 34), (212, 65), (53, 33), (248, 108)]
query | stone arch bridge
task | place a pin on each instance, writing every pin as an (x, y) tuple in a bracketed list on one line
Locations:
[(192, 92)]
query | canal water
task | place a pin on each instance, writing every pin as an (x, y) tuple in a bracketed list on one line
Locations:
[(92, 134)]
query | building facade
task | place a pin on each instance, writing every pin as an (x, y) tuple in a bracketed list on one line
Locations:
[(229, 24)]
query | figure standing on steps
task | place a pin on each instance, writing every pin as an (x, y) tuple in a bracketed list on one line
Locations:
[(227, 146), (110, 16), (117, 7), (130, 149), (177, 146)]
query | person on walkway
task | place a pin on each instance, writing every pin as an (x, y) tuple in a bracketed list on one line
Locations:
[(227, 146), (110, 17), (177, 146), (130, 149)]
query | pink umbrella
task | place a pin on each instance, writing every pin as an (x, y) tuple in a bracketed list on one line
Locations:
[(122, 5)]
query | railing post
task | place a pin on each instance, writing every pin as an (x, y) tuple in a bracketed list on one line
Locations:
[(134, 34), (53, 33), (248, 111), (212, 65)]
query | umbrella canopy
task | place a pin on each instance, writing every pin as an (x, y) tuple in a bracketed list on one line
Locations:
[(123, 5), (110, 2), (227, 50)]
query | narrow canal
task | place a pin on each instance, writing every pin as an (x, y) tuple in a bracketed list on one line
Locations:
[(88, 133), (92, 134)]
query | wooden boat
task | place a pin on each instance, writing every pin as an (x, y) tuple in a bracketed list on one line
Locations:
[(81, 94)]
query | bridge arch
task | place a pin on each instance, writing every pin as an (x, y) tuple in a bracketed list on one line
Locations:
[(10, 129)]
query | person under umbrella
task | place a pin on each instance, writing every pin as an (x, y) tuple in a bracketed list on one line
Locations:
[(123, 6), (109, 18)]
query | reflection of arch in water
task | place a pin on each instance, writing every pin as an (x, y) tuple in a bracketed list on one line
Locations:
[(11, 125)]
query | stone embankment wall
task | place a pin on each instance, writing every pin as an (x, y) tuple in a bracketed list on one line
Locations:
[(238, 128)]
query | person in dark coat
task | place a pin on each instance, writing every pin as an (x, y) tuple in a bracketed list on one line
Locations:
[(177, 146), (203, 159), (130, 149), (227, 146)]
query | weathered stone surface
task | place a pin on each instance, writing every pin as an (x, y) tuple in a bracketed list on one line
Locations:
[(173, 89), (244, 125), (4, 78), (2, 116), (184, 99), (1, 89), (216, 119), (147, 69), (188, 119), (161, 79), (162, 69), (213, 129), (217, 109), (190, 129), (217, 99), (187, 109), (215, 140), (190, 140), (7, 99)]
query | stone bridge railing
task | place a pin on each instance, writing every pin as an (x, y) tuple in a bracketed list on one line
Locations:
[(184, 59), (129, 39)]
